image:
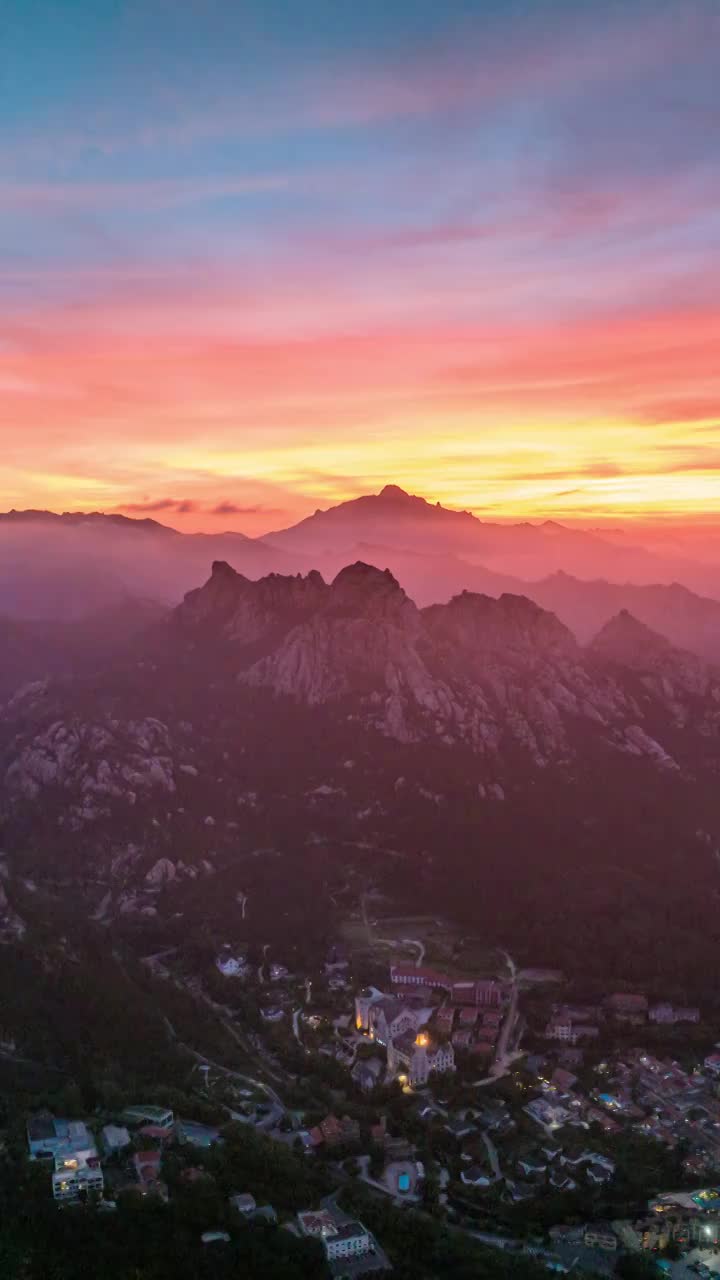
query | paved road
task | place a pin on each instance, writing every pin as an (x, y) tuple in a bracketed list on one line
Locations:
[(261, 967), (492, 1155)]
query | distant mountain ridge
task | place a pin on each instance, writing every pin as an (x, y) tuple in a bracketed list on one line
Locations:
[(66, 566)]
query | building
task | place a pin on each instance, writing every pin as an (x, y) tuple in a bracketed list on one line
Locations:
[(147, 1171), (390, 1017), (559, 1028), (363, 1004), (628, 1006), (148, 1115), (272, 1014), (50, 1137), (351, 1240), (475, 1176), (417, 1056), (243, 1202), (600, 1238), (72, 1184), (484, 991), (317, 1223), (231, 966), (668, 1014), (406, 975), (333, 1132), (114, 1138)]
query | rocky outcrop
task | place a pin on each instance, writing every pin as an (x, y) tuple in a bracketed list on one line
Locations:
[(490, 673), (88, 763), (670, 673), (243, 612)]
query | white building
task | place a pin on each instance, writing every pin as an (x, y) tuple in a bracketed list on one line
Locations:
[(417, 1056), (389, 1018), (363, 1004), (68, 1183), (349, 1241)]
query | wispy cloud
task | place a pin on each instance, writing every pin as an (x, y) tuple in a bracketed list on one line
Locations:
[(183, 506)]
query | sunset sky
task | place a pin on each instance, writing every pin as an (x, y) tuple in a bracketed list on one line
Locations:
[(259, 257)]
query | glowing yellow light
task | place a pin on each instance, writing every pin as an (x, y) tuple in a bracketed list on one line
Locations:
[(422, 1039)]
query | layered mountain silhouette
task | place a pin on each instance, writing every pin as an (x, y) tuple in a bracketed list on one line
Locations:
[(68, 567)]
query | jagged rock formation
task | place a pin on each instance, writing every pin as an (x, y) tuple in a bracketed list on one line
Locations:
[(488, 673), (501, 681)]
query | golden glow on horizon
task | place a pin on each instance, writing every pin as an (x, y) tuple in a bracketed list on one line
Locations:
[(622, 422)]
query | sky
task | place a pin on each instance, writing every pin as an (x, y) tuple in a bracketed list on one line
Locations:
[(259, 257)]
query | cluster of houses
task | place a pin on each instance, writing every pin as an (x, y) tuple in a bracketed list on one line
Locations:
[(75, 1156), (573, 1024), (664, 1101)]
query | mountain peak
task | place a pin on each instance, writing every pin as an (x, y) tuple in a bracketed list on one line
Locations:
[(625, 639), (221, 569), (395, 494), (363, 588)]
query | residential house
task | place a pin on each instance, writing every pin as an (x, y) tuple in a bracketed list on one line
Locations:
[(114, 1138), (147, 1169), (138, 1115), (272, 1013), (73, 1183), (460, 1126), (599, 1237), (332, 1132), (49, 1137), (559, 1029), (475, 1176), (562, 1079), (669, 1014), (231, 966), (317, 1223), (243, 1202)]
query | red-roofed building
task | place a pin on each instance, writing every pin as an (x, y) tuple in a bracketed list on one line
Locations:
[(445, 1018), (333, 1131), (161, 1133), (409, 975), (486, 991)]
